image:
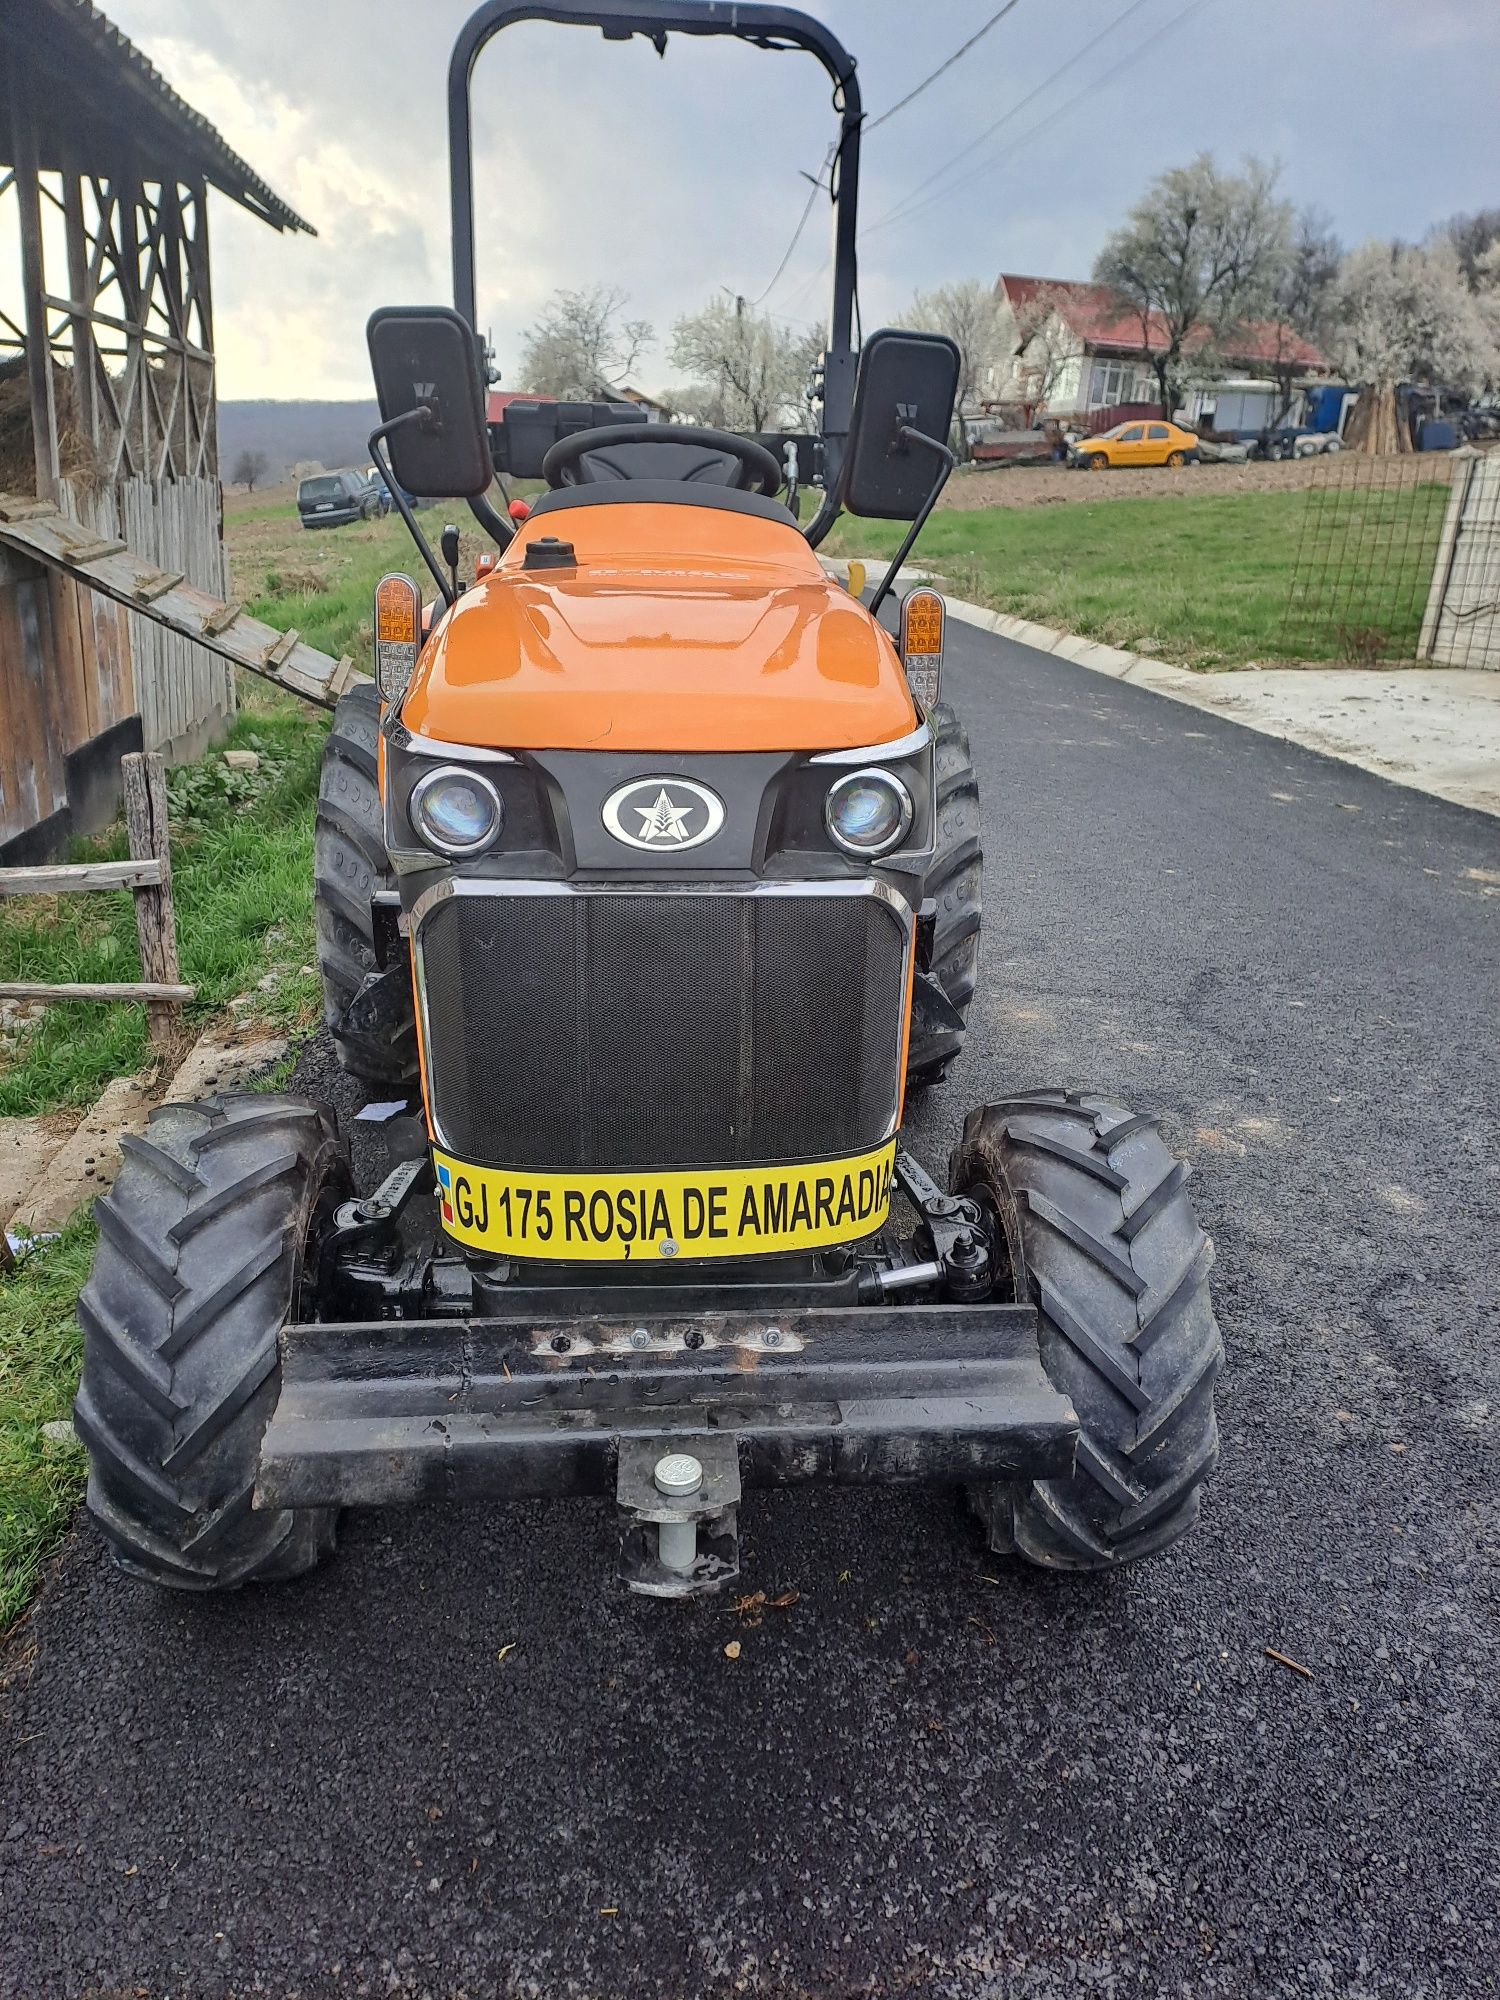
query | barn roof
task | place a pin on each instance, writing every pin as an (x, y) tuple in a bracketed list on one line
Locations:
[(104, 102), (1095, 316)]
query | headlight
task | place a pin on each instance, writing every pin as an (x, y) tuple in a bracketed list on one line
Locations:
[(868, 813), (456, 812)]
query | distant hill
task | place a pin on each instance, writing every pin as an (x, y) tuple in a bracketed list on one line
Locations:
[(289, 434)]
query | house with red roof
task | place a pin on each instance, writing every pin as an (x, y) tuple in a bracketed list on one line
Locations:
[(1073, 350)]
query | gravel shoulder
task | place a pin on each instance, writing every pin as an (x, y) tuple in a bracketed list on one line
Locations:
[(459, 1760)]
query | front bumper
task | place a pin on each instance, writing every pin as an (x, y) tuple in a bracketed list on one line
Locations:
[(402, 1411)]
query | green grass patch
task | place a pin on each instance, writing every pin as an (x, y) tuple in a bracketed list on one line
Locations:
[(1205, 582), (39, 1351), (242, 879), (324, 582)]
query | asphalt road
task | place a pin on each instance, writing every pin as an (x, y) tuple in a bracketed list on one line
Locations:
[(931, 1774)]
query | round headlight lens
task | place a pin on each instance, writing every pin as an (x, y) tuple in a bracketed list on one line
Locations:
[(868, 813), (457, 812)]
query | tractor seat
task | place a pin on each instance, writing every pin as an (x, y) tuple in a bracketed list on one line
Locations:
[(663, 493), (689, 464), (665, 463)]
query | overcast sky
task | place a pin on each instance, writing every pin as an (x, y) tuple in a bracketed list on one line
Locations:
[(601, 163)]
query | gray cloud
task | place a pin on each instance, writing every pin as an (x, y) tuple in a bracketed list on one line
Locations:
[(604, 164)]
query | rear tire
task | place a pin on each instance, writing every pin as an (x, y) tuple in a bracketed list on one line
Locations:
[(378, 1042), (200, 1258), (1103, 1241), (955, 885)]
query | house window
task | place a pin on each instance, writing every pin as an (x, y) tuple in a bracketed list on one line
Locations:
[(1114, 382)]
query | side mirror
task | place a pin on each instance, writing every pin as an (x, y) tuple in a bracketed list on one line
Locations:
[(426, 359), (905, 381)]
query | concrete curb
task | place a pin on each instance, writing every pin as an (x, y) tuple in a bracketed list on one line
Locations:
[(1470, 778)]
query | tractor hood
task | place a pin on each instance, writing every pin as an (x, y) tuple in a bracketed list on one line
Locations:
[(678, 627)]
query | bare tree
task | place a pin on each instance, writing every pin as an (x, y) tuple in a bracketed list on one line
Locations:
[(1302, 300), (1044, 344), (1199, 255), (1404, 314), (250, 469), (971, 314), (750, 372), (1473, 237), (583, 346)]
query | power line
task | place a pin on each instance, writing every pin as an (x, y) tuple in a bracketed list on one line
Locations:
[(817, 188), (958, 55), (872, 125), (1132, 55), (901, 207)]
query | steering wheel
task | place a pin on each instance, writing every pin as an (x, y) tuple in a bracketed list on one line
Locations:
[(700, 454)]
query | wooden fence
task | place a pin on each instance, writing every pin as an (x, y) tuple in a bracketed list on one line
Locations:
[(77, 669), (184, 695)]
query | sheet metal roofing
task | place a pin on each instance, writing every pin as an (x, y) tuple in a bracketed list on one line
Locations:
[(77, 60), (1096, 317)]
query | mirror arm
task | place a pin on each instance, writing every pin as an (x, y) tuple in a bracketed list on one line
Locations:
[(495, 525), (826, 515), (419, 415), (909, 436)]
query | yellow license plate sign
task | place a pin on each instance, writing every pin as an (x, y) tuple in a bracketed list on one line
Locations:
[(625, 1217)]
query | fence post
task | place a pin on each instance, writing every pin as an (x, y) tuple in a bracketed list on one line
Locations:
[(1442, 569), (145, 787)]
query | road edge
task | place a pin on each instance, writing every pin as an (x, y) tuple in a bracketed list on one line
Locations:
[(1175, 683)]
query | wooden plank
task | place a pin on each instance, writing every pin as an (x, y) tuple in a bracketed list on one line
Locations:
[(280, 651), (28, 184), (155, 918), (35, 718), (67, 689), (16, 507), (185, 611), (138, 989), (151, 587), (70, 878), (94, 551), (221, 620)]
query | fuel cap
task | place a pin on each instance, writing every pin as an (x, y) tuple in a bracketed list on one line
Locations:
[(550, 552)]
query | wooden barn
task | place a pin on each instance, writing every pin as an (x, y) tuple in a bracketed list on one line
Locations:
[(107, 407)]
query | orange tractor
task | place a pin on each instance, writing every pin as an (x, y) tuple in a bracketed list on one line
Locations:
[(654, 866)]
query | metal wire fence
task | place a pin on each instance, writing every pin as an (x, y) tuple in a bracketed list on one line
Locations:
[(1369, 538)]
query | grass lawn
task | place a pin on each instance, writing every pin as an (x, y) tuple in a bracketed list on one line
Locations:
[(242, 877), (1205, 582)]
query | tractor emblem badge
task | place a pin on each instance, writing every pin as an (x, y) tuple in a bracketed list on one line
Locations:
[(662, 814)]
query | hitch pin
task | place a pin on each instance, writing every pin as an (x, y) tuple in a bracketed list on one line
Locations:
[(909, 1277), (678, 1476)]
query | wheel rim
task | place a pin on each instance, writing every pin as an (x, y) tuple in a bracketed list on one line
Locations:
[(1174, 458)]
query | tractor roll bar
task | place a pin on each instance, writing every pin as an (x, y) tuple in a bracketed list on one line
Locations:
[(767, 27)]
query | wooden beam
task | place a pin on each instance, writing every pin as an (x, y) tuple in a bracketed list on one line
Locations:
[(137, 989), (84, 357), (145, 784), (44, 535), (33, 287), (66, 879)]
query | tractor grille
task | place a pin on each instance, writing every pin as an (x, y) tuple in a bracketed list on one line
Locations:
[(665, 1029)]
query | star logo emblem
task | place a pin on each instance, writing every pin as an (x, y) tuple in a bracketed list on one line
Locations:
[(660, 814), (664, 819)]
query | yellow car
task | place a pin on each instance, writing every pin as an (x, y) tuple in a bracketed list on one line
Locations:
[(1140, 442)]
